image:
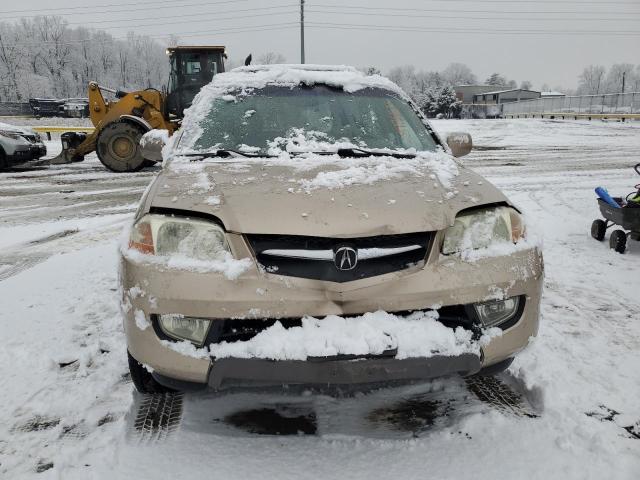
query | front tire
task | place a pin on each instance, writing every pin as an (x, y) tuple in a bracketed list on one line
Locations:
[(118, 147), (4, 163), (598, 229), (142, 379), (495, 369)]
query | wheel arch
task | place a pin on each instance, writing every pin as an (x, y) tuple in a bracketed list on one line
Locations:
[(139, 121)]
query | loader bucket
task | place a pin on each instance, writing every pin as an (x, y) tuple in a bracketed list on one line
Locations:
[(70, 141)]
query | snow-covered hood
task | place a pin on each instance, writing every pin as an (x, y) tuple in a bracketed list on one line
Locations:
[(325, 196)]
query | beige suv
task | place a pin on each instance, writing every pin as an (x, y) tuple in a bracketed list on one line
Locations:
[(310, 227)]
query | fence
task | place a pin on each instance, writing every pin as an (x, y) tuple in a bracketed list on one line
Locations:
[(15, 109), (478, 110), (616, 105)]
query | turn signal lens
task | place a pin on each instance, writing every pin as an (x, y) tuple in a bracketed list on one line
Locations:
[(518, 229), (142, 238)]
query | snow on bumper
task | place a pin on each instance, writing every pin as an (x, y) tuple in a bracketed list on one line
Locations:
[(255, 294)]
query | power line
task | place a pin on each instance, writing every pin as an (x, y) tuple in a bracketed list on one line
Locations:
[(186, 15), (173, 3), (169, 4), (460, 17), (441, 10), (580, 2), (156, 24), (239, 29), (93, 12), (472, 30)]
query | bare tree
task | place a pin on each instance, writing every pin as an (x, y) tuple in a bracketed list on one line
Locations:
[(526, 85), (459, 74), (613, 82), (269, 58), (590, 81), (53, 40), (11, 57)]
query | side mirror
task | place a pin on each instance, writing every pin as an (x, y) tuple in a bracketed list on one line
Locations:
[(460, 143), (152, 144)]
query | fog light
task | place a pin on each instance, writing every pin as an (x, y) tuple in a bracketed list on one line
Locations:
[(185, 328), (495, 312)]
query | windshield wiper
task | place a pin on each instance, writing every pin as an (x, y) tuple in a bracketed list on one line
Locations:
[(363, 152), (221, 153), (355, 152)]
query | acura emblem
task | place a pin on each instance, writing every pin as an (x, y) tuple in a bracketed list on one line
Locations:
[(345, 258)]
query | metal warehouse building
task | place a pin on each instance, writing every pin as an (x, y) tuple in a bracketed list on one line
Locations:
[(504, 96)]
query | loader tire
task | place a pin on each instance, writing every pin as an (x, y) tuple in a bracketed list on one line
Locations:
[(118, 147)]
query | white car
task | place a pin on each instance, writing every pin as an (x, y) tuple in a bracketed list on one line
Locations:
[(18, 145)]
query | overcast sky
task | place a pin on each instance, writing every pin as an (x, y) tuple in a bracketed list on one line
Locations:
[(524, 40)]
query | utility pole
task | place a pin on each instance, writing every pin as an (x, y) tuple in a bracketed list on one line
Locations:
[(624, 77), (301, 31)]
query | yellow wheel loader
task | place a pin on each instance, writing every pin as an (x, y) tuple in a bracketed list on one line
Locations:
[(120, 123)]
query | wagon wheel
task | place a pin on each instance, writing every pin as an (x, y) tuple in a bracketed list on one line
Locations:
[(618, 241), (598, 229)]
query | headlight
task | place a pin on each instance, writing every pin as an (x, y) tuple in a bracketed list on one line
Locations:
[(482, 228), (165, 235), (180, 327), (493, 313), (10, 134)]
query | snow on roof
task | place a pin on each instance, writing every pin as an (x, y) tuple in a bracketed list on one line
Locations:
[(14, 128), (473, 86), (552, 94), (258, 76), (495, 92), (244, 79)]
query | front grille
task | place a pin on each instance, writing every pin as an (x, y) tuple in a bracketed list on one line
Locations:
[(313, 257)]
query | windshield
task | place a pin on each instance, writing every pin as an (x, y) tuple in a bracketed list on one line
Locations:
[(316, 116)]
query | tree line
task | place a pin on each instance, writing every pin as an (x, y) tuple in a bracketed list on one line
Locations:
[(44, 57)]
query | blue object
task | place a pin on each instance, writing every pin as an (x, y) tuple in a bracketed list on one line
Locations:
[(604, 195)]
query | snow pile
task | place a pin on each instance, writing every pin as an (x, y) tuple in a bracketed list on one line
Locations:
[(230, 267), (416, 335), (300, 140), (155, 136), (502, 249), (222, 262), (363, 173)]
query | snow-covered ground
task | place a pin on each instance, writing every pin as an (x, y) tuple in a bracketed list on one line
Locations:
[(67, 404)]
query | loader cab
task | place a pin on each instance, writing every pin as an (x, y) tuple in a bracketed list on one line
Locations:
[(191, 69)]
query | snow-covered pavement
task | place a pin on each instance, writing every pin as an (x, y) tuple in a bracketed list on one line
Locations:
[(68, 407)]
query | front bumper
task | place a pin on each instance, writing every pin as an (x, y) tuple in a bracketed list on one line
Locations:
[(256, 294), (233, 372), (26, 153)]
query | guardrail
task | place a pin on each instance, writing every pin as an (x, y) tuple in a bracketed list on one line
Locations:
[(57, 129), (613, 105)]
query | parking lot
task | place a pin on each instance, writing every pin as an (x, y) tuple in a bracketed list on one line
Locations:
[(568, 404)]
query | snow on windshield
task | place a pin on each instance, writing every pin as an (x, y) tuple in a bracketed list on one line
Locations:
[(243, 81), (297, 146)]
